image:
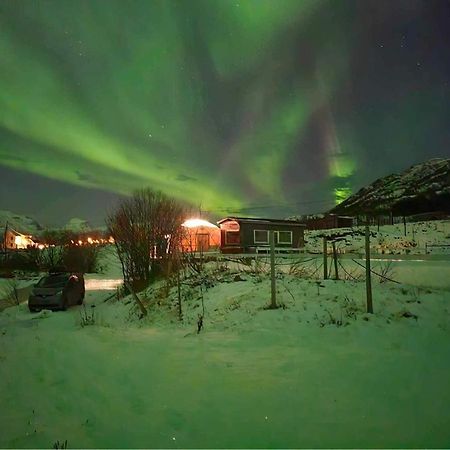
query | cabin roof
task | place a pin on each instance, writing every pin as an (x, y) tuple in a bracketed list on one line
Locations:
[(259, 220)]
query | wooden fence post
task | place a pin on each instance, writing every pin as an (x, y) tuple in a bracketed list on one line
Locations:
[(325, 258), (273, 298), (336, 273), (368, 273)]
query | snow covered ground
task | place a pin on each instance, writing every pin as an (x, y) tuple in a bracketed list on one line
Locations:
[(431, 237), (317, 372)]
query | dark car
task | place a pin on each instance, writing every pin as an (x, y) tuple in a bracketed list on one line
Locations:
[(57, 291)]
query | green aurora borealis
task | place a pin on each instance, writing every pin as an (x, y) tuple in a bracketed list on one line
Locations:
[(245, 106)]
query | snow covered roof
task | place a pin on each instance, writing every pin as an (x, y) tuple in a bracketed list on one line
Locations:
[(262, 220), (194, 223)]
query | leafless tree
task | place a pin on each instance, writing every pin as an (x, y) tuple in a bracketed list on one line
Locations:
[(9, 295), (147, 231)]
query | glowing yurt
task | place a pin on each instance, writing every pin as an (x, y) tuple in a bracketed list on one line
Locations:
[(200, 236)]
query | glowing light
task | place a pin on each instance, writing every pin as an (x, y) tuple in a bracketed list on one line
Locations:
[(21, 241), (197, 238), (194, 223), (90, 240)]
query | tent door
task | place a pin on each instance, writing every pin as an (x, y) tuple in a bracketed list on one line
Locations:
[(202, 242)]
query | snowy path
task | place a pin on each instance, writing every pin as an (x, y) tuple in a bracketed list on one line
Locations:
[(359, 386)]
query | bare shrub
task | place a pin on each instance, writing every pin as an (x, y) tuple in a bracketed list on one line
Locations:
[(193, 261), (147, 233), (17, 260), (87, 318), (355, 274), (82, 259), (50, 257), (386, 271), (9, 294), (60, 445), (350, 308), (260, 268), (298, 269)]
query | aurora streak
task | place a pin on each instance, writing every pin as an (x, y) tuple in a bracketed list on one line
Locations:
[(245, 106)]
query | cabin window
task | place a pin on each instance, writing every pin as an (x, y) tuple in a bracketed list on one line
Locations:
[(261, 236), (284, 237), (232, 237)]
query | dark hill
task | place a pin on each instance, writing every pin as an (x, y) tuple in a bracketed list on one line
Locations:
[(422, 188)]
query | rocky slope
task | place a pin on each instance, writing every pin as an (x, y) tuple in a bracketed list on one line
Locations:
[(422, 188)]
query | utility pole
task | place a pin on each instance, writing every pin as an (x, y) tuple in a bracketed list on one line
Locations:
[(273, 298), (325, 258), (368, 273)]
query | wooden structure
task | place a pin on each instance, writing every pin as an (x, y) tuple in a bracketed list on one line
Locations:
[(200, 236), (329, 221), (249, 235)]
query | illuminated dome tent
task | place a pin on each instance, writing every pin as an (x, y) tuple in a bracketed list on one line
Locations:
[(200, 236)]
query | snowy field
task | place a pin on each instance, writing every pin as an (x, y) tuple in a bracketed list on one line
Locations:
[(317, 372)]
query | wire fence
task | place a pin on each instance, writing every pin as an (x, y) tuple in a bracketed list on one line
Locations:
[(303, 266)]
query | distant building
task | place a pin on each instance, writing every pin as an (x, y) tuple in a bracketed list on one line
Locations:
[(328, 221), (11, 239), (248, 235)]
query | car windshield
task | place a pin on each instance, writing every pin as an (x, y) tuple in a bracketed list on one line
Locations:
[(53, 281)]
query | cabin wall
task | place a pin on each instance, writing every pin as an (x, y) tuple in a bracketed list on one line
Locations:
[(10, 240), (247, 242), (247, 235)]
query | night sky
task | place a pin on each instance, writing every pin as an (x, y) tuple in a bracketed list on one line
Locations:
[(249, 107)]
